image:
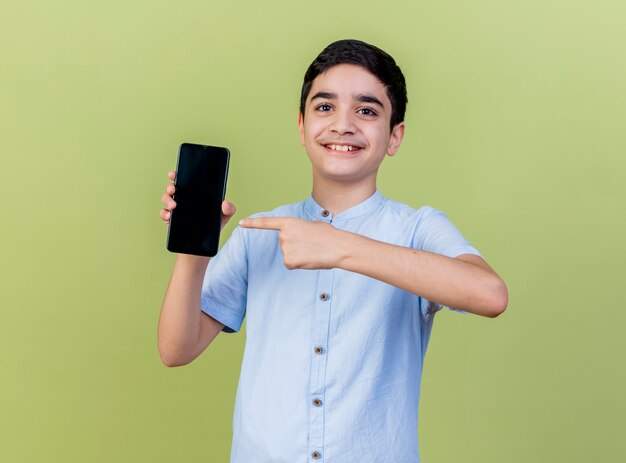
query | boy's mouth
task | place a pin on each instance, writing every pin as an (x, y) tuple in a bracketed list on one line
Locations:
[(342, 148)]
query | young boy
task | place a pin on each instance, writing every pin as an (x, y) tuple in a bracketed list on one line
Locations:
[(339, 290)]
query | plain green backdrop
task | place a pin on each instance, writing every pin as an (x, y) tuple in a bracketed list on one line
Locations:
[(515, 128)]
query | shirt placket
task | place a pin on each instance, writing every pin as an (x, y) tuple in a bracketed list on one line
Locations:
[(319, 351)]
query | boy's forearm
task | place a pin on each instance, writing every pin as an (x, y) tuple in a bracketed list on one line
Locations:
[(447, 281), (179, 322)]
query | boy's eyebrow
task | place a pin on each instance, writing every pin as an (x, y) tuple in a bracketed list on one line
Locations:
[(325, 96), (369, 99), (360, 98)]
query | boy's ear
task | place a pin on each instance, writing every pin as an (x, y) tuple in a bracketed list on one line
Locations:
[(301, 127), (397, 134)]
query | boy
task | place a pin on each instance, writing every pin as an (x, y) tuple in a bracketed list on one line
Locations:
[(339, 290)]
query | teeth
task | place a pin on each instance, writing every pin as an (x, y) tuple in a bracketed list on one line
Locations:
[(342, 147)]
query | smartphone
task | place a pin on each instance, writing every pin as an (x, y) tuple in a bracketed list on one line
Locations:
[(200, 188)]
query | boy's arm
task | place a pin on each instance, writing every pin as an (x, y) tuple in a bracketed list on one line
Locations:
[(184, 331), (466, 282)]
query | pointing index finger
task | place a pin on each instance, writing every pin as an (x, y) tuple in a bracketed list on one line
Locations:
[(267, 223)]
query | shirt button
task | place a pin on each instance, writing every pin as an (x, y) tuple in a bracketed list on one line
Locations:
[(317, 402), (318, 349), (325, 213), (315, 455), (324, 296)]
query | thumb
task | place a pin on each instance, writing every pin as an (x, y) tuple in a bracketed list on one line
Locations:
[(228, 210)]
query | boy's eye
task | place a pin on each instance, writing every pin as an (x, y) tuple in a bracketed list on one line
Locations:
[(324, 107), (367, 112)]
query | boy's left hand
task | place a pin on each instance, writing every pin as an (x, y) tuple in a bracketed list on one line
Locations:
[(305, 245)]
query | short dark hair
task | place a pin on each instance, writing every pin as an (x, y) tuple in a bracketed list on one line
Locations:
[(373, 59)]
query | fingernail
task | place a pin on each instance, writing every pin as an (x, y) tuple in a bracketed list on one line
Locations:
[(242, 222)]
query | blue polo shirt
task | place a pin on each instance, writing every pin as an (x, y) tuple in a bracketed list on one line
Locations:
[(333, 359)]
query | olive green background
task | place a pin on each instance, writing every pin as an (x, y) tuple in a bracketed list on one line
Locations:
[(515, 128)]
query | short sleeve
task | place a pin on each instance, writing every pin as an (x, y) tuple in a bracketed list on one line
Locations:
[(437, 234), (225, 285)]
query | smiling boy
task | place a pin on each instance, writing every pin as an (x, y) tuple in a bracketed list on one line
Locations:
[(339, 290)]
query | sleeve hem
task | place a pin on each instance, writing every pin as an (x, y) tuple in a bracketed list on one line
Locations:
[(464, 250), (227, 316)]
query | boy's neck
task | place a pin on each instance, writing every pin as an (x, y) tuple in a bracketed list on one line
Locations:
[(337, 197)]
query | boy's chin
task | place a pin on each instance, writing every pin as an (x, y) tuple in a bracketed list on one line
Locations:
[(341, 176)]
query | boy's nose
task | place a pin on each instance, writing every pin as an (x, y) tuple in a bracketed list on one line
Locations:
[(342, 123)]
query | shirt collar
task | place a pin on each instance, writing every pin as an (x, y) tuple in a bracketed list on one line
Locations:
[(369, 204)]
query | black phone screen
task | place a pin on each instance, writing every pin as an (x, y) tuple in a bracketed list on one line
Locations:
[(200, 186)]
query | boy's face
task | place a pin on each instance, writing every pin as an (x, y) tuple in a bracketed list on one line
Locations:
[(345, 127)]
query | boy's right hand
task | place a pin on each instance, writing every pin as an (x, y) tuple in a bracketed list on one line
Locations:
[(228, 208)]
